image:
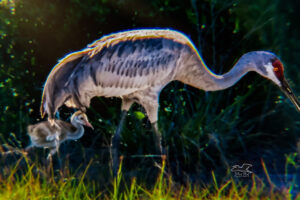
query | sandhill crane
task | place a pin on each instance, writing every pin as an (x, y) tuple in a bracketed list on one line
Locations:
[(136, 65), (45, 135)]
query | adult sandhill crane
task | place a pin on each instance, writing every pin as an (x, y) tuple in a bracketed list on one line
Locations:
[(136, 65), (45, 135)]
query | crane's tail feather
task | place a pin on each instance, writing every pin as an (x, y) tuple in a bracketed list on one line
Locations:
[(56, 91)]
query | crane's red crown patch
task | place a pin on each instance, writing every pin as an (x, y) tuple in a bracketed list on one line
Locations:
[(278, 69)]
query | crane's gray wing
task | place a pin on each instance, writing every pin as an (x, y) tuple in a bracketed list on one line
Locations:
[(124, 67), (136, 64)]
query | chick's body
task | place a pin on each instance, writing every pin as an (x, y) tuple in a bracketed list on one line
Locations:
[(46, 135)]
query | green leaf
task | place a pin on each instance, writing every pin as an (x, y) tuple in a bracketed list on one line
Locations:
[(139, 115)]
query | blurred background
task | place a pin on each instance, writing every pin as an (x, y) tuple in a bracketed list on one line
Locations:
[(204, 131)]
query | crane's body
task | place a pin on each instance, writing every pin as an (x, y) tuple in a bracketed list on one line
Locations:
[(136, 65), (126, 65)]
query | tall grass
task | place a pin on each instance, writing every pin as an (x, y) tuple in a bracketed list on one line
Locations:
[(39, 182), (36, 182)]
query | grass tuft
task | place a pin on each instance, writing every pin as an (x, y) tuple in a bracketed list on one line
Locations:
[(33, 182)]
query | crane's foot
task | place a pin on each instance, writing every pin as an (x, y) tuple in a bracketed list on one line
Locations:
[(117, 165), (52, 152), (160, 148), (115, 161), (115, 146), (115, 153)]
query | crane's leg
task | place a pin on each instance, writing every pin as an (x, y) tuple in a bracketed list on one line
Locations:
[(159, 141), (52, 152), (49, 162), (115, 142), (115, 145), (150, 104)]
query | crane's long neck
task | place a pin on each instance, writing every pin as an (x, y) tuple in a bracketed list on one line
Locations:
[(78, 133), (197, 74)]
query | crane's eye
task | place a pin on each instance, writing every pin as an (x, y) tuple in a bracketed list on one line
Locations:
[(278, 69)]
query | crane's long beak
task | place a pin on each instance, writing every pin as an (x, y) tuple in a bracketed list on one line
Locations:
[(89, 124), (289, 93)]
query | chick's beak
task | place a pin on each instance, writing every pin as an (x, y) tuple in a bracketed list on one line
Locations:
[(89, 124), (289, 93)]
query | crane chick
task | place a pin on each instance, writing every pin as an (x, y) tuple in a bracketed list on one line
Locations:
[(50, 136)]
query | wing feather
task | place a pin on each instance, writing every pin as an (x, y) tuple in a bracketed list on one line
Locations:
[(145, 67), (55, 90)]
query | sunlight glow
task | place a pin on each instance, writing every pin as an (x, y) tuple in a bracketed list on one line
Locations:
[(11, 4)]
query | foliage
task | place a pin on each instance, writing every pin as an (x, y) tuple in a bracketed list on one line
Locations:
[(35, 182), (203, 131)]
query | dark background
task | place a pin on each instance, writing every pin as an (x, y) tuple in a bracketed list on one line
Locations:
[(204, 131)]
